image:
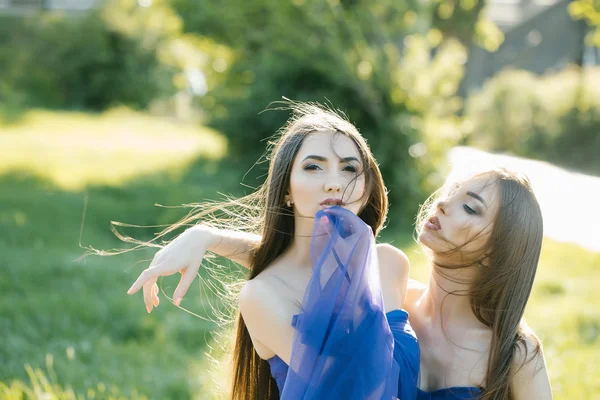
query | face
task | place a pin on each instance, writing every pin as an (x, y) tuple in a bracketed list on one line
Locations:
[(327, 171), (464, 218)]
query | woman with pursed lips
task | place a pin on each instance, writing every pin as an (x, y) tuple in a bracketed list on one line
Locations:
[(321, 313)]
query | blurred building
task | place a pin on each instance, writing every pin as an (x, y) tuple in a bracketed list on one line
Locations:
[(25, 6), (540, 36)]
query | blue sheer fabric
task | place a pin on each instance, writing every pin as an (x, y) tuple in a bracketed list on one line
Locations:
[(344, 345)]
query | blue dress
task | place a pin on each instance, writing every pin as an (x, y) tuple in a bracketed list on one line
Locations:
[(404, 341), (452, 393), (345, 345), (279, 371)]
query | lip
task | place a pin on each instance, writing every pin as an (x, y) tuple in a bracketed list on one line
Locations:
[(433, 224), (333, 202)]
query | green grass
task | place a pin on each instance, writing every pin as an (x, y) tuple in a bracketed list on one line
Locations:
[(67, 327), (73, 150), (75, 311)]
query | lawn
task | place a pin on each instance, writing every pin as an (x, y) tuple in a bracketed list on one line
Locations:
[(65, 176)]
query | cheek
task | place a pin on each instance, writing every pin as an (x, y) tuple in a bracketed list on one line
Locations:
[(466, 234), (304, 190), (458, 231), (300, 186), (355, 190), (356, 196), (476, 238)]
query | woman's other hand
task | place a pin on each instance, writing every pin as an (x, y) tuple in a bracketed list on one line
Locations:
[(184, 255)]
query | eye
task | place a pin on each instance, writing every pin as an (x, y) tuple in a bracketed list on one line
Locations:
[(469, 210), (312, 167), (350, 168)]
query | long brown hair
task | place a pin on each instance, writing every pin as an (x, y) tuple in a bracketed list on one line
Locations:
[(251, 374), (264, 212), (507, 265)]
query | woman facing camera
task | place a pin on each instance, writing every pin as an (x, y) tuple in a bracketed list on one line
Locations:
[(321, 313)]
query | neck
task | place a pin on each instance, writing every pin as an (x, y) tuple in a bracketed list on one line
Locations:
[(447, 296), (299, 251)]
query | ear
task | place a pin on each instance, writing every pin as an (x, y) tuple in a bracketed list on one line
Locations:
[(287, 200)]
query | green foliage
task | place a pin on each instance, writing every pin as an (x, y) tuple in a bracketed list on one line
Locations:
[(394, 67), (588, 11), (106, 57), (464, 20), (379, 62), (554, 118)]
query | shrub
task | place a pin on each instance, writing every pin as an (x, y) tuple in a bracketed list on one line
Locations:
[(107, 57), (381, 63), (555, 117)]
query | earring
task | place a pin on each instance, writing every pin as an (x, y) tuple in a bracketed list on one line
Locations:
[(289, 203)]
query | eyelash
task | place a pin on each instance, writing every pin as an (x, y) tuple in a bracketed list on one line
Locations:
[(469, 210), (314, 167), (311, 167)]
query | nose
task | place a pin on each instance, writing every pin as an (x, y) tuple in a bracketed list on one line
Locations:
[(441, 205), (333, 187)]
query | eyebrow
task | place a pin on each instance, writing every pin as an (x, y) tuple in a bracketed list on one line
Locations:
[(321, 158), (478, 197)]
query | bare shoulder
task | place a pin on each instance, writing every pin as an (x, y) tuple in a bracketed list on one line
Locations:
[(393, 274), (414, 292), (393, 258), (267, 316), (529, 365), (256, 293), (416, 287), (529, 354)]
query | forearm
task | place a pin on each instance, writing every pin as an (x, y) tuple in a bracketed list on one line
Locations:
[(236, 246)]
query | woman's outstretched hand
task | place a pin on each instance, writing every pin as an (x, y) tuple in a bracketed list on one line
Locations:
[(184, 255)]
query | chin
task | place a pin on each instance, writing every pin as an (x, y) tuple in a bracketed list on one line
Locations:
[(354, 210), (423, 239), (426, 239)]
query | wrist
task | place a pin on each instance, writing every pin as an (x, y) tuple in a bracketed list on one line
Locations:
[(205, 236)]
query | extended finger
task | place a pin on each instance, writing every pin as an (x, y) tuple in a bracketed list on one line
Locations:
[(141, 280), (155, 299), (148, 296), (187, 277)]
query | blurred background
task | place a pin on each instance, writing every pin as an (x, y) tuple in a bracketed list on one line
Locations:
[(108, 107)]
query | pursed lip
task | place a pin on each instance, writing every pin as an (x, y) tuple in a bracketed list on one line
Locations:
[(333, 202), (434, 224)]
